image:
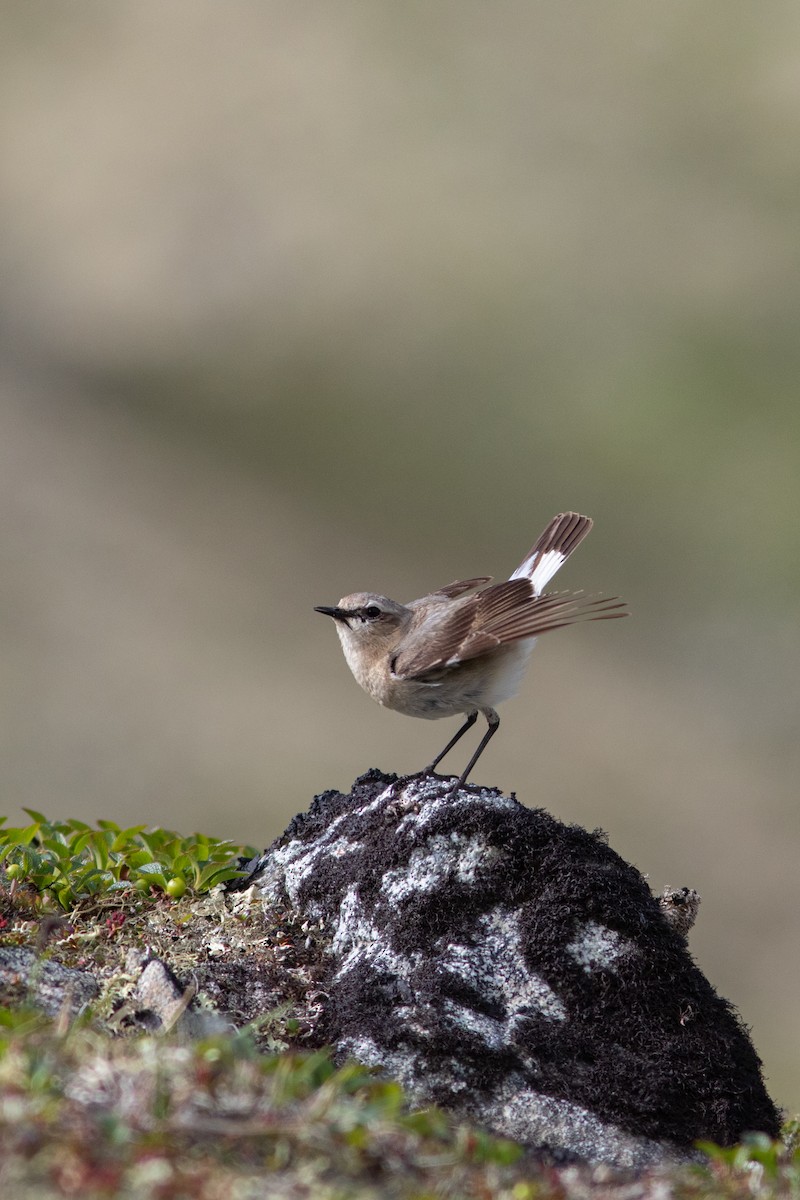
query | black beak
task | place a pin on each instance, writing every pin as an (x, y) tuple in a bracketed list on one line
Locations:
[(338, 614)]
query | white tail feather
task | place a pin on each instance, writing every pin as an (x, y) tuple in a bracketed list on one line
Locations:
[(564, 533), (540, 569)]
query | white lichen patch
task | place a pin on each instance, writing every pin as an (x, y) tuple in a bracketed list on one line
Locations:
[(358, 943), (527, 1114), (491, 1031), (292, 865), (597, 948), (444, 857), (493, 964), (424, 799), (377, 803)]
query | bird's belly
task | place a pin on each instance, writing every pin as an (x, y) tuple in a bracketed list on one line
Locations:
[(426, 700), (477, 683), (508, 666)]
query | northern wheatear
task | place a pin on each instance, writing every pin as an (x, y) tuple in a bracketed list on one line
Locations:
[(449, 652)]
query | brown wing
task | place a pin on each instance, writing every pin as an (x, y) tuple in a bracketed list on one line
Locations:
[(459, 586), (540, 615), (502, 613)]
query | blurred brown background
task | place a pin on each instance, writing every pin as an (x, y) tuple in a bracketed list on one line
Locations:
[(299, 299)]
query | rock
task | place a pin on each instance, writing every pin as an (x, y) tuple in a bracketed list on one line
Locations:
[(516, 971), (28, 979), (159, 1002)]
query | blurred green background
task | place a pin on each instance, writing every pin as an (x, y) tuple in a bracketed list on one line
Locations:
[(298, 299)]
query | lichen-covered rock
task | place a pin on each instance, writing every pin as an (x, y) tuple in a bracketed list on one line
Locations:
[(515, 970)]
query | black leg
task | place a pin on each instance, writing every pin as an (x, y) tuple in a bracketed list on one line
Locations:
[(493, 721), (470, 721)]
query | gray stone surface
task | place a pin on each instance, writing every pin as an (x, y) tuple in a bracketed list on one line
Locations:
[(26, 977)]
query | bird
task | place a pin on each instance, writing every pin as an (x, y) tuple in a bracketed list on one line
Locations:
[(463, 649)]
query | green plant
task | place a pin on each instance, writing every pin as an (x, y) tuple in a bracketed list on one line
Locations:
[(72, 860), (766, 1162)]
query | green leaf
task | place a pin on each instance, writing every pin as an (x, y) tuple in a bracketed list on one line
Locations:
[(37, 816), (213, 874), (125, 836), (138, 858), (81, 842), (153, 874), (26, 835)]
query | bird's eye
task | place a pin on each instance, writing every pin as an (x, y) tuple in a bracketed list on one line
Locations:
[(371, 612)]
